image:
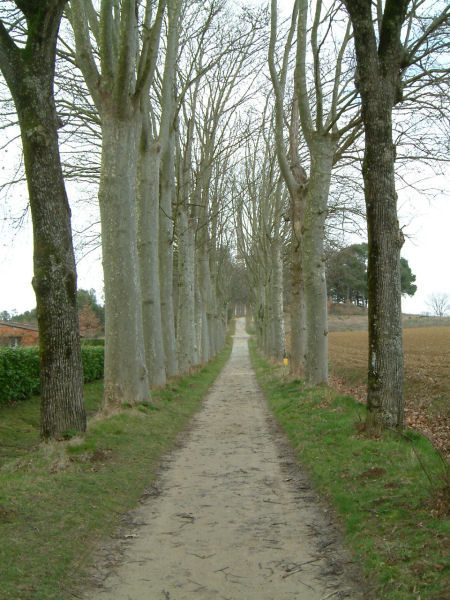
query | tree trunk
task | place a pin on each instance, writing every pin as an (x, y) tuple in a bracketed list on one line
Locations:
[(279, 346), (297, 295), (148, 245), (167, 185), (29, 75), (126, 377), (166, 259), (204, 283), (385, 375), (322, 149), (186, 292), (378, 65)]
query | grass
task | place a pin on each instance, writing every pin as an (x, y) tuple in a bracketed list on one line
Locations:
[(427, 375), (57, 501), (388, 492)]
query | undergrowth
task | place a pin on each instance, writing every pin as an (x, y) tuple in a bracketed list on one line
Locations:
[(388, 492), (58, 500)]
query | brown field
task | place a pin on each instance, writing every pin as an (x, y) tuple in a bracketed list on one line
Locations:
[(341, 321), (427, 375)]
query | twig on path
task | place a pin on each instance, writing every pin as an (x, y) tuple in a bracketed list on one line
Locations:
[(330, 595), (299, 567)]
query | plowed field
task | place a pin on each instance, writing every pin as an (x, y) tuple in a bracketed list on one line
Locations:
[(427, 375)]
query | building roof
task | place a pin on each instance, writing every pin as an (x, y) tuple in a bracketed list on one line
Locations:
[(18, 325)]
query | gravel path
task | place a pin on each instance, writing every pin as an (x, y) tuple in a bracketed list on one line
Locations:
[(235, 518)]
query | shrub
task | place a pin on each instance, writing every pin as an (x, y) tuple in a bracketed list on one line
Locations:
[(19, 371), (93, 362)]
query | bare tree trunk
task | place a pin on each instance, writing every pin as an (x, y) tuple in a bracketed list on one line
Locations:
[(186, 292), (204, 288), (198, 351), (316, 358), (166, 259), (148, 238), (126, 378), (297, 292), (167, 187), (279, 347), (118, 77), (29, 75), (379, 66)]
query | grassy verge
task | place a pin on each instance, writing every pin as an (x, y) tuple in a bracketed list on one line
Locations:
[(387, 491), (57, 501)]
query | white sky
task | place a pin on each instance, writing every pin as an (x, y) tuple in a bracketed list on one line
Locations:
[(427, 249)]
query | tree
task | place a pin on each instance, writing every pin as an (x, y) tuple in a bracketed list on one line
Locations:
[(296, 180), (90, 325), (407, 279), (439, 304), (382, 60), (28, 65), (347, 275), (89, 297), (118, 83), (324, 110)]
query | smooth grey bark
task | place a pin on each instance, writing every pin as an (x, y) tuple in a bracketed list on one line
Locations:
[(148, 251), (322, 149), (29, 73), (186, 292), (186, 330), (379, 71), (295, 178), (117, 84), (167, 140), (297, 309), (198, 317), (126, 377), (166, 258), (278, 333), (205, 299)]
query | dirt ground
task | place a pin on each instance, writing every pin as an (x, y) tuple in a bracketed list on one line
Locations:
[(232, 516), (427, 376)]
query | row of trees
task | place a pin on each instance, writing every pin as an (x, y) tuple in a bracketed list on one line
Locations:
[(160, 80), (206, 129), (354, 63)]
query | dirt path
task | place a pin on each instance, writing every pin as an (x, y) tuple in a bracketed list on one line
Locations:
[(235, 518)]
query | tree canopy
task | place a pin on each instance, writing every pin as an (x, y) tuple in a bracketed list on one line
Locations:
[(347, 275)]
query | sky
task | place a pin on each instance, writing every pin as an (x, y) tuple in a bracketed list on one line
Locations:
[(427, 246), (427, 249)]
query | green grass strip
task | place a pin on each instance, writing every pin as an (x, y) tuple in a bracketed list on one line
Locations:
[(58, 501), (388, 492)]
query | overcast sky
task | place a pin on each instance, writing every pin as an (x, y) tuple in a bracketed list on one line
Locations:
[(427, 249), (427, 246)]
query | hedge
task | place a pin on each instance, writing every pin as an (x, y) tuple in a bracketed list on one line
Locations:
[(19, 371), (93, 342)]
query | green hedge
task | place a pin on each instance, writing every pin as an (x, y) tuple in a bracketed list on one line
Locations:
[(19, 371), (93, 362)]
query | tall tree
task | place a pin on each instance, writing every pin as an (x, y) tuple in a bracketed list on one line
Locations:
[(29, 72), (323, 108), (118, 83), (167, 140), (379, 64), (296, 179)]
